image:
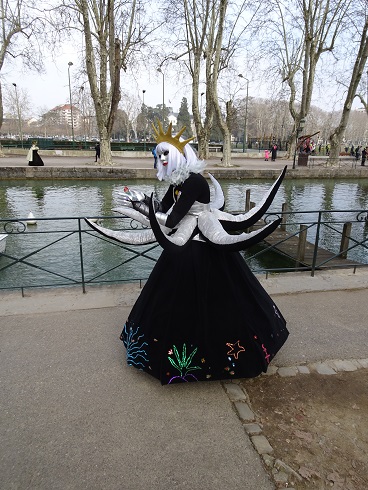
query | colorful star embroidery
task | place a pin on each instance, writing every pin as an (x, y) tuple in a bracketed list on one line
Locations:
[(235, 349)]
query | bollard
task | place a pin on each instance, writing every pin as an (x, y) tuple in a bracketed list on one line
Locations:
[(300, 254), (247, 200), (345, 237), (251, 206), (283, 217)]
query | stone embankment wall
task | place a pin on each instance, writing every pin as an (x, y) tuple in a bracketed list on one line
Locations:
[(112, 172)]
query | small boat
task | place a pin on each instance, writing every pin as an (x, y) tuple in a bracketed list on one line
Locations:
[(2, 242)]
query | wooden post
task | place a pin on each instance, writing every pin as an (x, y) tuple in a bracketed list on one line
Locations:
[(247, 200), (345, 237), (251, 206), (283, 218), (300, 254)]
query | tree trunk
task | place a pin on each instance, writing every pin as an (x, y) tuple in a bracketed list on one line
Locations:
[(226, 150), (359, 65), (105, 148), (212, 87), (203, 137), (335, 142)]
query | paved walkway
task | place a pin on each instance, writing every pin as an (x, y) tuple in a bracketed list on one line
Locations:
[(75, 416), (239, 161), (242, 166)]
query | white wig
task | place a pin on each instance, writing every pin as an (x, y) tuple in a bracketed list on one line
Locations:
[(178, 166)]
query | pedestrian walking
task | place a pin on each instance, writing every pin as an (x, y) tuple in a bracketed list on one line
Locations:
[(364, 156), (267, 155), (274, 152), (34, 159), (98, 151)]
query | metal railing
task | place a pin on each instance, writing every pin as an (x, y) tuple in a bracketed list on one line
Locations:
[(325, 161), (66, 252)]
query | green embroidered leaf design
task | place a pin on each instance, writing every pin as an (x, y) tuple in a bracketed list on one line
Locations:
[(183, 363), (173, 363)]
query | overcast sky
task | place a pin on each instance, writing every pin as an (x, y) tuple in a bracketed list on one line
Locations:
[(52, 88), (48, 90)]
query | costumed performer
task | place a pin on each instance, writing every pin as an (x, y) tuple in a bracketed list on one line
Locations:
[(202, 315), (34, 159)]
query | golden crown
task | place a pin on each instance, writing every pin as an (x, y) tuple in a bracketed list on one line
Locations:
[(169, 138)]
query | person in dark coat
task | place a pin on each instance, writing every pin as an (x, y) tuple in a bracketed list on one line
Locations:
[(364, 156), (273, 152), (98, 151), (34, 159)]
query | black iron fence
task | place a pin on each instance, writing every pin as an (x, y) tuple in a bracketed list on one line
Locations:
[(54, 252)]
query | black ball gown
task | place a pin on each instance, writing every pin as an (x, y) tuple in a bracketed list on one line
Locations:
[(202, 315), (36, 159)]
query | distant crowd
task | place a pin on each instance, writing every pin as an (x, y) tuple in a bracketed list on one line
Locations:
[(307, 145), (358, 153)]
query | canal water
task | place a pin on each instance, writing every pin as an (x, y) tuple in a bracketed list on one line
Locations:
[(69, 199)]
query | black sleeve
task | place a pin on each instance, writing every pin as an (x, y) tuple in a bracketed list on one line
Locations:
[(168, 200), (195, 188)]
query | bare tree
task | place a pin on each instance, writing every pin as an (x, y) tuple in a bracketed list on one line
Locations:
[(209, 34), (21, 29), (357, 72), (114, 32), (130, 107), (297, 35), (363, 98), (17, 105)]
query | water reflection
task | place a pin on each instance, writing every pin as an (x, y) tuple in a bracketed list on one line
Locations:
[(56, 199), (73, 198)]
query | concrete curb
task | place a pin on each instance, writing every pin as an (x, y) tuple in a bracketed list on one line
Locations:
[(72, 298), (324, 280)]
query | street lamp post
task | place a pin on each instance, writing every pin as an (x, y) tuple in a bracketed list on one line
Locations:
[(70, 101), (298, 130), (163, 94), (144, 123), (19, 114), (245, 136)]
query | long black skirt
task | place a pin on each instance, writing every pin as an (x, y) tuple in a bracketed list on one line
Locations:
[(203, 315), (36, 160)]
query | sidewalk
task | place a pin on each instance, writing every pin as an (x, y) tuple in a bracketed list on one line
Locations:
[(128, 165), (75, 416), (239, 161)]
